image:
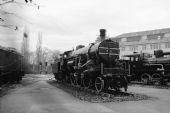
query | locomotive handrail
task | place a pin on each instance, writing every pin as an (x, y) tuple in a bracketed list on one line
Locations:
[(114, 48), (149, 64), (109, 53), (109, 48)]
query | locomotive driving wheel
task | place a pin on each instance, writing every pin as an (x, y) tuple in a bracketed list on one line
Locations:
[(99, 84), (75, 80), (86, 82), (146, 78), (72, 80)]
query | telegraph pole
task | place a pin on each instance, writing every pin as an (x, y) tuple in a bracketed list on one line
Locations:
[(25, 48)]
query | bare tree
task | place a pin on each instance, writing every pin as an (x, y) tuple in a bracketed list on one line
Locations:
[(56, 55), (24, 2), (31, 2), (50, 55)]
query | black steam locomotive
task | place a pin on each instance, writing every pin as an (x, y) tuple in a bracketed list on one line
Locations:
[(142, 67), (11, 68), (95, 66)]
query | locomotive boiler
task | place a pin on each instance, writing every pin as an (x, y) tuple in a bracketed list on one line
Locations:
[(95, 66), (11, 68)]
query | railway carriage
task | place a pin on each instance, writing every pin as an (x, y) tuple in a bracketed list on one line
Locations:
[(11, 68)]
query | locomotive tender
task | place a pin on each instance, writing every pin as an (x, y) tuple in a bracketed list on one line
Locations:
[(95, 66), (11, 68)]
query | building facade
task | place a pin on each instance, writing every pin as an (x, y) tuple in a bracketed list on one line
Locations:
[(144, 41)]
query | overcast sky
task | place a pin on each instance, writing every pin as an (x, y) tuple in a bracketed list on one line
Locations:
[(67, 23)]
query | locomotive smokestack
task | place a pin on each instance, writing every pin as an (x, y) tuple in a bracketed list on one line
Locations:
[(102, 34)]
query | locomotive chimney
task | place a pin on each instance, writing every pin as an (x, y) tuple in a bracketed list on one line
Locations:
[(102, 34)]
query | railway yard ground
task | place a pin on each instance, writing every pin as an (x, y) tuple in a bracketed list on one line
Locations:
[(42, 94)]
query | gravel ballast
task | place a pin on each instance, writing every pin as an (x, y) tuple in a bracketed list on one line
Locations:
[(91, 96)]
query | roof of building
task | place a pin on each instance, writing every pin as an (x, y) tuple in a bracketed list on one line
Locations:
[(141, 33)]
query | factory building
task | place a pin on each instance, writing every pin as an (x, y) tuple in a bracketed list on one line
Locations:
[(144, 41)]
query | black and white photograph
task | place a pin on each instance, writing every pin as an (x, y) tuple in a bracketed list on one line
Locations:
[(84, 56)]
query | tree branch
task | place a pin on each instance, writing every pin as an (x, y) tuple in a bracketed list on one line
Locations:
[(8, 13), (27, 1), (6, 2), (8, 26), (14, 27)]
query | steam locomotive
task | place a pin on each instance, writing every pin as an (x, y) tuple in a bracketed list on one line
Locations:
[(142, 67), (96, 66), (11, 68)]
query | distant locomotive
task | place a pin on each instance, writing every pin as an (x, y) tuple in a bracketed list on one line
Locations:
[(95, 66), (11, 68), (149, 70)]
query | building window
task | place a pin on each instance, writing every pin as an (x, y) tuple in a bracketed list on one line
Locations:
[(133, 39), (133, 48), (123, 39), (143, 47), (159, 46), (123, 48), (167, 45), (155, 37), (117, 39), (155, 46)]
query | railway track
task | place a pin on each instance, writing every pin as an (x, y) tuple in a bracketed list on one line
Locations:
[(4, 88), (141, 84)]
